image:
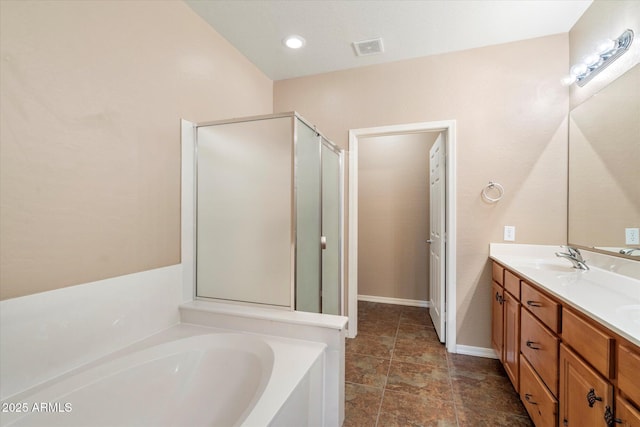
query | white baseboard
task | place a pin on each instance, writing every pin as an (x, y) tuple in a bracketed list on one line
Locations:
[(397, 301), (476, 351)]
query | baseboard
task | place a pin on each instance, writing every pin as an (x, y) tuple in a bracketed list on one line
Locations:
[(476, 351), (397, 301)]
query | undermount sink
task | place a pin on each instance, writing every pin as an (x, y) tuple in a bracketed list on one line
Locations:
[(552, 265)]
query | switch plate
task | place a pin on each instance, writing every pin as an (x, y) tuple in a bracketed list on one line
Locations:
[(509, 233), (632, 236)]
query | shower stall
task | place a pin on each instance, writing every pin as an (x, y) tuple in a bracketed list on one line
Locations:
[(268, 214)]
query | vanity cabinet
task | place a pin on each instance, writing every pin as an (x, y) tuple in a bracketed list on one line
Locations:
[(568, 369)]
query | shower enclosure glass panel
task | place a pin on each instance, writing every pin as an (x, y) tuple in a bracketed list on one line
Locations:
[(244, 220), (331, 203), (308, 215)]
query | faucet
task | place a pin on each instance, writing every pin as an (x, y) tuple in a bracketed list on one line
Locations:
[(574, 255), (629, 251)]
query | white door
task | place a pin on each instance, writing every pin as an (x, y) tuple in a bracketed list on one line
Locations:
[(437, 236)]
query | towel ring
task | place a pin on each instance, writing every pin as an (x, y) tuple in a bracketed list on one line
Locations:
[(491, 186)]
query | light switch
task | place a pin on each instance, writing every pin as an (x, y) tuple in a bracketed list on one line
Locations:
[(509, 233), (632, 236)]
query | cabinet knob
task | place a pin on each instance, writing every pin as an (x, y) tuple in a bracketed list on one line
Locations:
[(592, 398), (609, 418), (532, 303)]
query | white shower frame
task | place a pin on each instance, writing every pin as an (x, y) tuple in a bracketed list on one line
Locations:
[(189, 206)]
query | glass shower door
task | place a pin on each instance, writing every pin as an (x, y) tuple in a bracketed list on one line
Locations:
[(331, 203), (308, 218)]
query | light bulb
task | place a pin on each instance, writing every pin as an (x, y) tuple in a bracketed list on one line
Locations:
[(591, 59), (605, 46), (294, 42), (578, 69)]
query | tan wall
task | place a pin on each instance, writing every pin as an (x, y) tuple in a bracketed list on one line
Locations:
[(511, 122), (92, 96), (393, 223), (604, 19)]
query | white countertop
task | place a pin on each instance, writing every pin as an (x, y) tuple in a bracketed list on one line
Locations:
[(609, 297)]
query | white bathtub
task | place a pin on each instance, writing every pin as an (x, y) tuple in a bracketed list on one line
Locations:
[(184, 376)]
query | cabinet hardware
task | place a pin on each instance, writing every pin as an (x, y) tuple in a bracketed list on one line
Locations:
[(592, 398), (532, 303), (497, 296), (531, 345), (609, 418), (527, 397), (565, 422)]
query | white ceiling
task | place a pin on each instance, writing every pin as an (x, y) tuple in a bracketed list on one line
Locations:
[(409, 29)]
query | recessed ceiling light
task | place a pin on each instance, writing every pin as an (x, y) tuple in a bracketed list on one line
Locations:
[(294, 42)]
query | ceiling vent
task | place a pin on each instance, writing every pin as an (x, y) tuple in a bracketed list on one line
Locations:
[(368, 47)]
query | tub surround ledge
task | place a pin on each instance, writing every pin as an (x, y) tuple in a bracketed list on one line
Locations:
[(323, 328)]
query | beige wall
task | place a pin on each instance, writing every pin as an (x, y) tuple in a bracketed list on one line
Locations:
[(393, 223), (604, 19), (511, 128), (92, 96)]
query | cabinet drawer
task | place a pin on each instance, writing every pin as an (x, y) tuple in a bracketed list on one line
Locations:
[(545, 309), (498, 274), (629, 373), (512, 284), (584, 394), (541, 405), (626, 413), (594, 345), (540, 347)]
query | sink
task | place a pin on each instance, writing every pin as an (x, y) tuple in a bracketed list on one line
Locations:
[(551, 265)]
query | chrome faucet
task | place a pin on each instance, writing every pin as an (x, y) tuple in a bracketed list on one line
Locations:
[(629, 251), (574, 255)]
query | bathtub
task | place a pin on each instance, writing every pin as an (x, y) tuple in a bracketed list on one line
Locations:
[(184, 376)]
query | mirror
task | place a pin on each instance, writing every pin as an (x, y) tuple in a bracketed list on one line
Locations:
[(604, 169)]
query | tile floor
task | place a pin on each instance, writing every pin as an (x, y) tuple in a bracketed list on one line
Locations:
[(399, 374)]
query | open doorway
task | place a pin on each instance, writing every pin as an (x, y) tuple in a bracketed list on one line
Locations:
[(447, 129)]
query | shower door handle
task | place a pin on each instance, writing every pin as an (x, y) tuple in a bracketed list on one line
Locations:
[(323, 242)]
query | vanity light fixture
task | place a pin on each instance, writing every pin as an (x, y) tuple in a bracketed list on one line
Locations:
[(605, 53), (294, 41)]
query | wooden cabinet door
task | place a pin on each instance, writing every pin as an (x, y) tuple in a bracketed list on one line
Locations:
[(626, 414), (511, 338), (497, 319), (584, 394)]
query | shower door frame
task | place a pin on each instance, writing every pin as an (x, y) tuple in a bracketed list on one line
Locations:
[(189, 210)]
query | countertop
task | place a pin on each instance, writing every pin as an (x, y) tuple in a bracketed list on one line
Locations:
[(612, 298)]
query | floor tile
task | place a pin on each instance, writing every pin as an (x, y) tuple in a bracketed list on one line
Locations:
[(400, 409), (422, 380), (490, 418), (383, 328), (488, 392), (475, 367), (361, 405), (410, 331), (371, 345), (399, 374), (416, 317), (366, 370), (421, 351)]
